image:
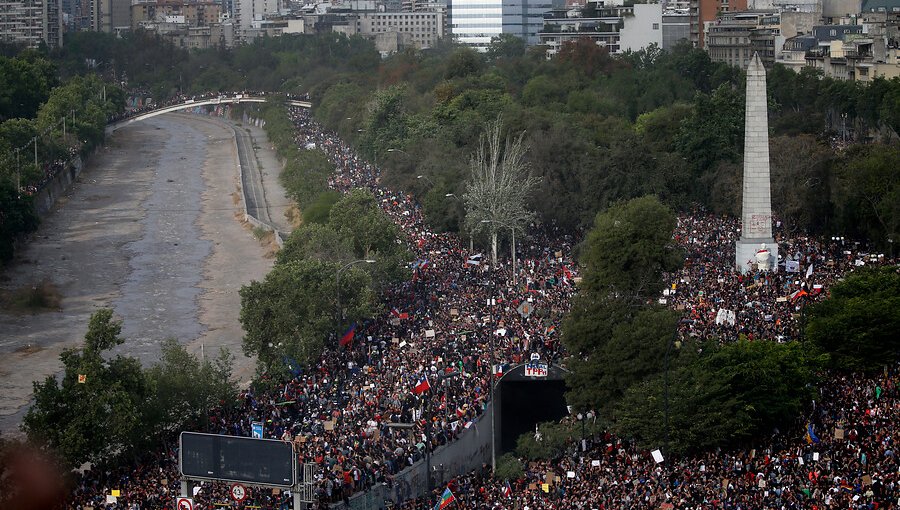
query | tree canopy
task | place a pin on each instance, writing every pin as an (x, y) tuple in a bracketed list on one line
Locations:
[(858, 323), (104, 408)]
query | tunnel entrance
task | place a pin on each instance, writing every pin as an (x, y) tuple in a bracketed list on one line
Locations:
[(524, 401)]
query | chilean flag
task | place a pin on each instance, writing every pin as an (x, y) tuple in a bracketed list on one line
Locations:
[(398, 314), (422, 386), (507, 490), (348, 336)]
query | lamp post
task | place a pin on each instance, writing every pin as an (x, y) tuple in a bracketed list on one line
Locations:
[(425, 177), (492, 302), (666, 382), (471, 231), (515, 271), (337, 281)]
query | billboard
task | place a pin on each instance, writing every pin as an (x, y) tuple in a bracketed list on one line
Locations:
[(268, 462)]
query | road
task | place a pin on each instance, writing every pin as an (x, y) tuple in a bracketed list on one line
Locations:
[(251, 177)]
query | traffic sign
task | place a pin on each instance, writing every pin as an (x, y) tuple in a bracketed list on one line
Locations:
[(238, 492), (184, 503), (266, 462)]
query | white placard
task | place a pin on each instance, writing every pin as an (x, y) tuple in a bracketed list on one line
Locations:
[(657, 456)]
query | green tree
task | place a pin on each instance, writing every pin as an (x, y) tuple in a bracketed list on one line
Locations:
[(97, 419), (629, 249), (506, 46), (293, 311), (613, 349), (316, 241), (867, 193), (17, 217), (358, 218), (800, 182), (858, 323), (721, 395), (183, 388), (715, 129), (24, 85), (614, 337)]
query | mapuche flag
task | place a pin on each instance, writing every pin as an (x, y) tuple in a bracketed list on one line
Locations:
[(446, 498)]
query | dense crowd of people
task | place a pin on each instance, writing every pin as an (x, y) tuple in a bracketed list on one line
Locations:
[(458, 317), (848, 462), (723, 303)]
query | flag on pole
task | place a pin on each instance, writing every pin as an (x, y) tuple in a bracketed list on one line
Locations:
[(348, 336), (422, 386), (798, 294), (811, 434), (398, 314), (809, 271), (507, 490), (446, 498)]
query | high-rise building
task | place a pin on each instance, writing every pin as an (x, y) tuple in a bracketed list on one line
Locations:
[(709, 9), (248, 12), (476, 22), (31, 22)]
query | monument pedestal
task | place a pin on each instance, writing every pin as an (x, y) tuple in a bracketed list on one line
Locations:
[(745, 254)]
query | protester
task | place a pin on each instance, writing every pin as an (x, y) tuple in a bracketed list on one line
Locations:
[(440, 322)]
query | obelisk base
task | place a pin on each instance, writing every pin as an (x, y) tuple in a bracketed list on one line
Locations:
[(745, 254)]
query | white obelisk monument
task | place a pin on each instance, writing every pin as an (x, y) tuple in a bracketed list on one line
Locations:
[(756, 229)]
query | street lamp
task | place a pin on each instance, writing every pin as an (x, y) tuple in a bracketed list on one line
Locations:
[(337, 280), (492, 302), (398, 150), (584, 418), (426, 178), (515, 271), (471, 231), (666, 381)]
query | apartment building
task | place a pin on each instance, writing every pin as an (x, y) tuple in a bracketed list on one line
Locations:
[(31, 22)]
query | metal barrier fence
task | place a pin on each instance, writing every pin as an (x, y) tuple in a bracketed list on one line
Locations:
[(471, 450)]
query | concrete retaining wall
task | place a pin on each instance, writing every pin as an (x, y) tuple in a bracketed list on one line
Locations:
[(56, 187), (471, 450)]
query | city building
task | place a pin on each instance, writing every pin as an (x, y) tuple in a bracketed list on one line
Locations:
[(196, 13), (599, 24), (642, 28), (676, 27), (476, 22), (706, 12), (31, 22), (734, 37), (246, 12)]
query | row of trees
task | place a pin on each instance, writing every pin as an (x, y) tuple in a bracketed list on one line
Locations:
[(328, 274), (42, 125), (602, 128), (105, 408), (628, 363)]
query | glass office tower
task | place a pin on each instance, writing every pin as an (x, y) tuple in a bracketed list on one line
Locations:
[(475, 22)]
